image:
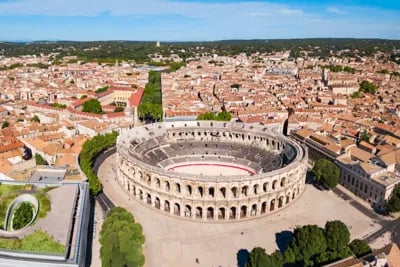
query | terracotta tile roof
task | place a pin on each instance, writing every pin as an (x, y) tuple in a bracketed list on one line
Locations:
[(360, 154), (136, 97)]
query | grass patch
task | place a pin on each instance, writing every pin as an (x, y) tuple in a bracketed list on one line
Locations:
[(23, 215), (44, 204), (39, 241)]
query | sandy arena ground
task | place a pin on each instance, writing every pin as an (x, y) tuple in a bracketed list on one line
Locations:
[(175, 242)]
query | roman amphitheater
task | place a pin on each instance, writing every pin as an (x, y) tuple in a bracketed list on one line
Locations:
[(211, 171)]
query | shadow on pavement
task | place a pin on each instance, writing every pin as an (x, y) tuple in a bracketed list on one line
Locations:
[(242, 255)]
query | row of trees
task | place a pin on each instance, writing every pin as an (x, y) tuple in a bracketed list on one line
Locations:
[(150, 107), (90, 149), (121, 240), (58, 105), (211, 116), (393, 204), (40, 160), (339, 68), (311, 245)]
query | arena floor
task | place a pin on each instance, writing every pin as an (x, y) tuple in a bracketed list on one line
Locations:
[(211, 168)]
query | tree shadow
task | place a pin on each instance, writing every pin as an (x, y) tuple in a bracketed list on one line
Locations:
[(242, 255), (283, 239)]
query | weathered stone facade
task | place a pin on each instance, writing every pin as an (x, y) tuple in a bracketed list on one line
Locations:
[(211, 198)]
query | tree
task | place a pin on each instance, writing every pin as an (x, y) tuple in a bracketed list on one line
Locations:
[(121, 240), (326, 173), (308, 241), (393, 204), (337, 235), (5, 124), (211, 116), (102, 89), (257, 258), (368, 87), (92, 106), (40, 160), (356, 95), (35, 119), (224, 116), (83, 96), (359, 247)]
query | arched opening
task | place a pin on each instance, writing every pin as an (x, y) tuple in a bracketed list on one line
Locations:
[(199, 213), (234, 191), (263, 207), (158, 185), (253, 210), (167, 187), (274, 184), (157, 203), (223, 192), (177, 188), (134, 190), (140, 194), (243, 211), (265, 187), (280, 202), (294, 194), (283, 182), (245, 190), (211, 191), (200, 191), (287, 198), (210, 213), (221, 213), (232, 213), (272, 205), (189, 190), (177, 209), (129, 186), (166, 206), (148, 180), (188, 211), (255, 189), (148, 199)]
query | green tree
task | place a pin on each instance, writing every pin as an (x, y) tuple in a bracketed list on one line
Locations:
[(257, 258), (5, 124), (118, 109), (326, 173), (224, 116), (393, 204), (121, 240), (35, 118), (40, 160), (92, 106), (356, 95), (102, 89), (22, 215), (83, 96), (308, 241), (359, 247), (368, 87), (337, 235)]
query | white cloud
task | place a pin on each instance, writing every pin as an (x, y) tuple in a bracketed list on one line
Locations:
[(290, 12), (336, 10)]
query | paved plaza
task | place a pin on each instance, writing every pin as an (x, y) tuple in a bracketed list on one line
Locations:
[(172, 242)]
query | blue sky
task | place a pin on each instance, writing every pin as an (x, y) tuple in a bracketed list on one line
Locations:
[(186, 20)]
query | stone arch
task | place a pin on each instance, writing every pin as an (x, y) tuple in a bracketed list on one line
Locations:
[(280, 201), (211, 191), (274, 184), (221, 213), (245, 190), (200, 191), (199, 213), (177, 188), (232, 213), (210, 213), (140, 194), (167, 186), (157, 203), (243, 211), (134, 190), (189, 190), (158, 184), (263, 207), (265, 187), (148, 180), (255, 189), (148, 199), (177, 209), (222, 190), (294, 194), (283, 181), (234, 192), (188, 211), (166, 206), (272, 205), (253, 211)]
